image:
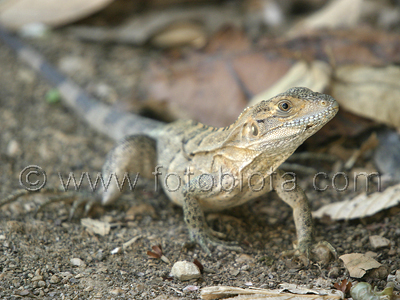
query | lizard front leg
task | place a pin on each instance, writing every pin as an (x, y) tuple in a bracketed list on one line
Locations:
[(199, 231), (295, 197), (133, 154)]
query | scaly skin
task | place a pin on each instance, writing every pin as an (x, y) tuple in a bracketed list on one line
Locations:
[(194, 156), (203, 168)]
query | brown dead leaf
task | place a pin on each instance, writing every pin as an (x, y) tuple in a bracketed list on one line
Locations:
[(343, 286), (223, 78), (15, 14), (191, 87), (358, 264), (157, 253), (362, 46), (153, 254), (199, 265), (228, 40), (361, 206), (256, 73), (315, 75), (369, 92), (180, 34), (157, 249)]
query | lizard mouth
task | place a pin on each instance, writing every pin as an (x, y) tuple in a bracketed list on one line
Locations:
[(313, 120)]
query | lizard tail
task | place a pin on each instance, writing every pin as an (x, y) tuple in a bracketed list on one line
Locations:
[(108, 120)]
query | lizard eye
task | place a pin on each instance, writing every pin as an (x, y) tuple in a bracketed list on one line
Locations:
[(254, 129), (285, 105)]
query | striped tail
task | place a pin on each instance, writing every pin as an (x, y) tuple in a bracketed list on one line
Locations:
[(108, 120)]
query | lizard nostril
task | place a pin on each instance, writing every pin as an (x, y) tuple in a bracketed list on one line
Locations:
[(335, 105)]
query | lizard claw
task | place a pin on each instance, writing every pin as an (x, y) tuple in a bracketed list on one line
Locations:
[(205, 238)]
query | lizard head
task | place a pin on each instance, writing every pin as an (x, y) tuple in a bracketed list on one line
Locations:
[(283, 122)]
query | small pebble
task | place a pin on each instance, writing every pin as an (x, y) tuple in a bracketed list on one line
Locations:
[(116, 291), (54, 279), (382, 272), (77, 262), (37, 278), (13, 148), (234, 272), (334, 272), (244, 258), (76, 64), (116, 250), (184, 270), (190, 288), (41, 283), (24, 293), (34, 30), (377, 241)]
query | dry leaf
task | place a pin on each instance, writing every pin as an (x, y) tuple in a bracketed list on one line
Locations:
[(358, 264), (157, 253), (180, 34), (296, 292), (337, 14), (224, 77), (199, 265), (369, 92), (15, 14), (361, 45), (315, 75), (361, 206), (191, 87), (343, 286), (99, 227)]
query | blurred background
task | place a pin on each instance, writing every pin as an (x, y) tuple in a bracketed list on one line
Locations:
[(207, 61)]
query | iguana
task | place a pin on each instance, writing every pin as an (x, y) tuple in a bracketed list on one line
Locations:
[(203, 168)]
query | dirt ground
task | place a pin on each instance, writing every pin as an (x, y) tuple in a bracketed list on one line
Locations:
[(36, 252)]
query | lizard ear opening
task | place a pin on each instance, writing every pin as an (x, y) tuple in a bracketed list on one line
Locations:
[(254, 129), (250, 130)]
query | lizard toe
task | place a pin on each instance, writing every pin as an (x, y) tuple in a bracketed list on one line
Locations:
[(204, 239)]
